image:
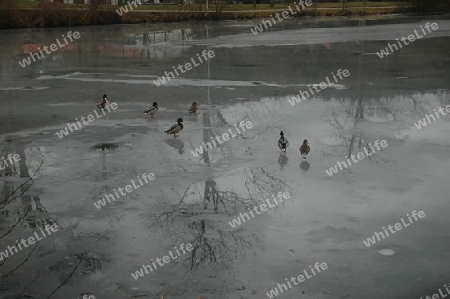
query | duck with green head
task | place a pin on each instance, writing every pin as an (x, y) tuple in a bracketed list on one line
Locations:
[(176, 128), (152, 110), (104, 102), (283, 143)]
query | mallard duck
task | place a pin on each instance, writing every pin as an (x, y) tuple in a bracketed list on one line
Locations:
[(104, 102), (193, 109), (152, 110), (176, 128), (283, 143), (304, 149)]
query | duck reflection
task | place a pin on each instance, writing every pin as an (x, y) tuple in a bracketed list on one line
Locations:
[(176, 144), (304, 165), (282, 160)]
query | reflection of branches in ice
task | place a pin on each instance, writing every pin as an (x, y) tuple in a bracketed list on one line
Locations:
[(226, 198), (359, 113), (224, 247), (20, 265), (66, 279), (352, 108), (202, 249), (28, 217), (32, 222), (8, 169), (35, 220), (358, 144), (219, 120), (214, 246), (169, 222), (10, 197), (176, 224), (7, 199), (213, 125), (352, 143), (355, 144), (173, 195), (7, 188), (259, 182), (16, 146), (85, 260), (232, 198), (261, 185), (183, 195), (171, 225), (206, 135), (23, 169), (15, 224), (253, 112), (399, 108), (211, 193), (171, 35), (175, 227), (338, 124)]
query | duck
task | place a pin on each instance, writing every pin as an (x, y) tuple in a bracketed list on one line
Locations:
[(283, 143), (176, 128), (152, 110), (104, 102), (193, 109), (304, 149)]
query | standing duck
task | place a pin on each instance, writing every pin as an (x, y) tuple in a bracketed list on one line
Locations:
[(283, 143), (152, 110), (193, 109), (304, 149), (176, 128)]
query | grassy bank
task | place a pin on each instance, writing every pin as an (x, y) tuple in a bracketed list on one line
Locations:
[(26, 13)]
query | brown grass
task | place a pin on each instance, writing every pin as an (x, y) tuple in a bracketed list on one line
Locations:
[(48, 14)]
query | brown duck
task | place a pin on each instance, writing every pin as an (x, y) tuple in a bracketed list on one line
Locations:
[(304, 149)]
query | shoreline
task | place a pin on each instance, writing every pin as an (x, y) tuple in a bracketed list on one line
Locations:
[(13, 17)]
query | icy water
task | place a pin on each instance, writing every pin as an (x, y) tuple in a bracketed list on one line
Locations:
[(92, 251)]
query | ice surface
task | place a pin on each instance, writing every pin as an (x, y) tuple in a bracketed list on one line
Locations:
[(192, 199)]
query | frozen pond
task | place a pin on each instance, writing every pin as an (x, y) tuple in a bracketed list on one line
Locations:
[(190, 200)]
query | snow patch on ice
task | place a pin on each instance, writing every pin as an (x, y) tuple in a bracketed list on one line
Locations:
[(24, 88), (387, 252), (172, 82)]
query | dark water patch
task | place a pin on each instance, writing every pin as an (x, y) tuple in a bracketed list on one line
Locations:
[(106, 146), (111, 146), (13, 138), (247, 65)]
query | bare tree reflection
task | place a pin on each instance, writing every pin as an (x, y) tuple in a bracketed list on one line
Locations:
[(179, 222), (352, 143), (203, 250), (225, 246), (19, 209), (212, 193), (16, 203)]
